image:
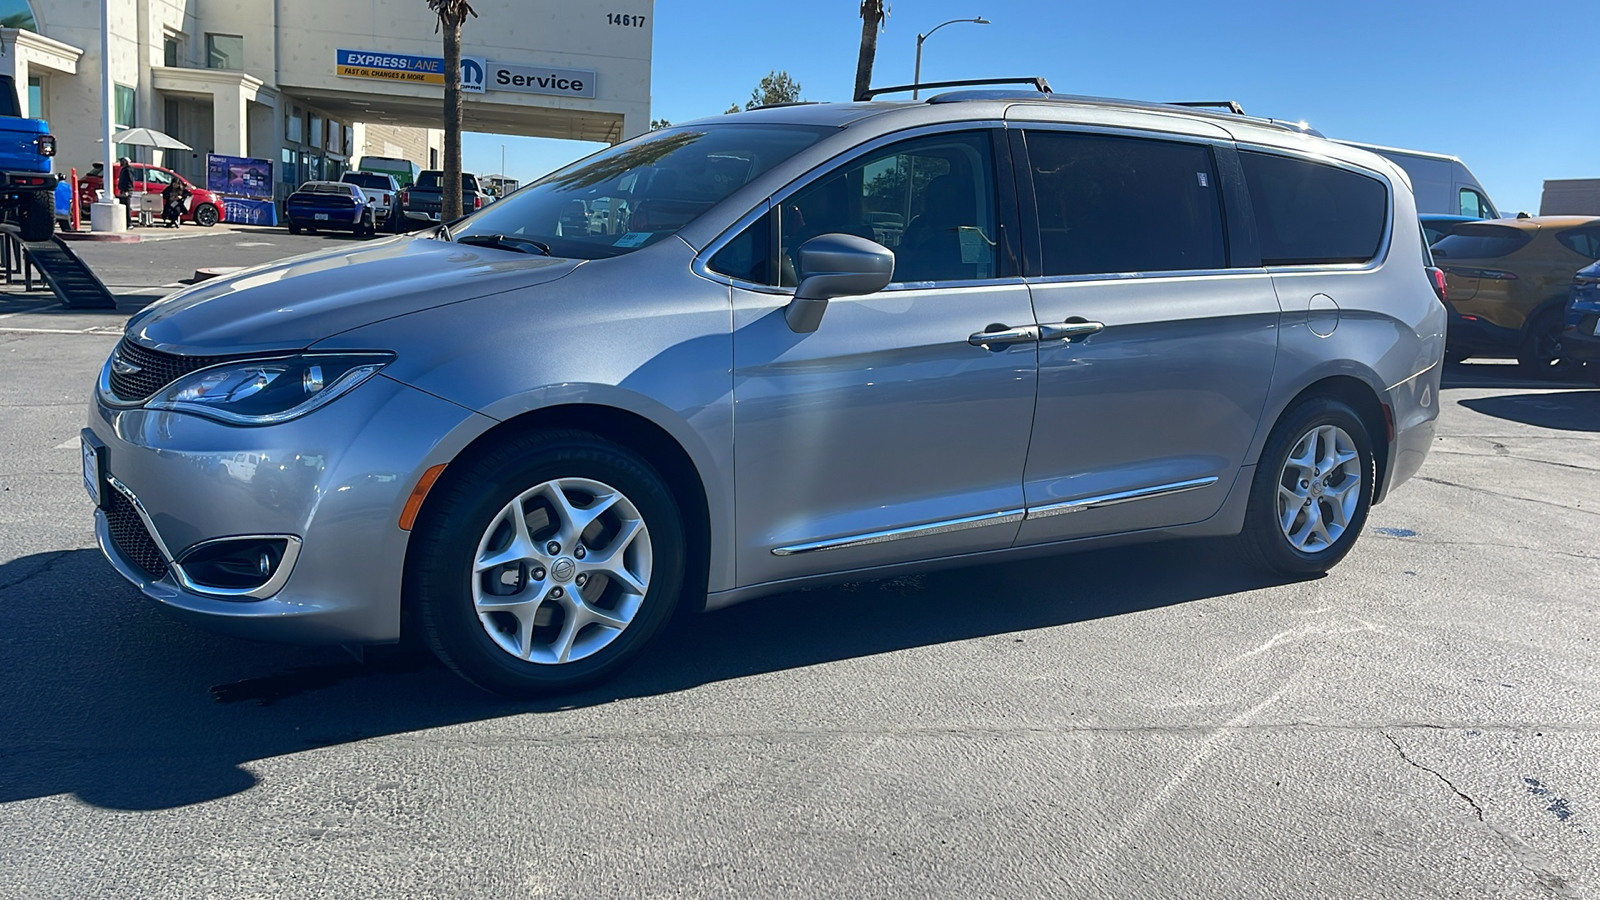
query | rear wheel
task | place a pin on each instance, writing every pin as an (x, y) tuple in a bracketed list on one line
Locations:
[(38, 216), (205, 215), (1312, 489), (547, 563), (293, 228)]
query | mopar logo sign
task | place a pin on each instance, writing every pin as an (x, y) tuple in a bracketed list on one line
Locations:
[(473, 74)]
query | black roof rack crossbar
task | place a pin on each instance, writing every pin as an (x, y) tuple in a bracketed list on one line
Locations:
[(1229, 105), (1037, 81)]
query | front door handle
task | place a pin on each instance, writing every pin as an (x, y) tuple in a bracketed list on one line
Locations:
[(1072, 328), (1000, 336)]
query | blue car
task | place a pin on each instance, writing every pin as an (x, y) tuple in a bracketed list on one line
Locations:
[(1580, 338), (333, 205)]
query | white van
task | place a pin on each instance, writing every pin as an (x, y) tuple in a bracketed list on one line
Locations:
[(1443, 185)]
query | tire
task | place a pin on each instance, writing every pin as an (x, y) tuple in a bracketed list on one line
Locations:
[(1540, 353), (1266, 540), (293, 228), (368, 226), (470, 516), (205, 215), (38, 216)]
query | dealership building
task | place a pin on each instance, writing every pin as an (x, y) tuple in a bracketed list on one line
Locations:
[(313, 85)]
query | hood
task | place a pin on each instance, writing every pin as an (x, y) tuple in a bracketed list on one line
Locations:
[(293, 303)]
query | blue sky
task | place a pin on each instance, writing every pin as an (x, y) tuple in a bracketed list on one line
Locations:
[(1508, 87)]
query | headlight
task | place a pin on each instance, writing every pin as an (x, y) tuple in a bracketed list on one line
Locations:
[(268, 391)]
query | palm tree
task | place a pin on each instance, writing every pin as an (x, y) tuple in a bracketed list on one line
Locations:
[(873, 12), (451, 14)]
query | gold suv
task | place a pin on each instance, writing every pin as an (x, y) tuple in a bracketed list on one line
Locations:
[(1508, 282)]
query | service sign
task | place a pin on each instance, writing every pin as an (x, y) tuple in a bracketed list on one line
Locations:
[(541, 80), (412, 69)]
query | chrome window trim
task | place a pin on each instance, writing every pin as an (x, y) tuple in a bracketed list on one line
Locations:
[(1113, 499), (1114, 277), (822, 170), (947, 526), (1385, 243), (280, 575)]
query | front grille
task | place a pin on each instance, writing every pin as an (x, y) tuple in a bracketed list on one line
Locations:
[(129, 535), (155, 370)]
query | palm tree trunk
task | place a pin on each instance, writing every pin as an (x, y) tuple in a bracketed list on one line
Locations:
[(871, 20), (450, 191)]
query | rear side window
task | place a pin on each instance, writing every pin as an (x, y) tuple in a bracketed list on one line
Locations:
[(1115, 205), (1582, 240), (1474, 241), (1313, 214)]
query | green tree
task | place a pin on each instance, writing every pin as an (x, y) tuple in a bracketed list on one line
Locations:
[(873, 14), (776, 87), (451, 14), (658, 124), (732, 108)]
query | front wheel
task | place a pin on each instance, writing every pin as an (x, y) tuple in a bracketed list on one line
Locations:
[(546, 563), (38, 217), (1312, 490), (206, 215)]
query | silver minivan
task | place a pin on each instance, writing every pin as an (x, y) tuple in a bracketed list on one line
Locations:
[(815, 343)]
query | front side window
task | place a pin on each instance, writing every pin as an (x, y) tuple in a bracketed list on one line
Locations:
[(639, 192), (156, 176), (1309, 213), (931, 200), (1474, 204), (1119, 205), (225, 51)]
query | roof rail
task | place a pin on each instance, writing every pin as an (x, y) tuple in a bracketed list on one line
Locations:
[(1037, 81), (1229, 105)]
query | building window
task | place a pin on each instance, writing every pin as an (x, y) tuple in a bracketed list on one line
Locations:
[(124, 103), (334, 132), (17, 14), (225, 51), (294, 125), (36, 108), (171, 51)]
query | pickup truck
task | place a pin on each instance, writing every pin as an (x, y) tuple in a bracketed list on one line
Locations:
[(421, 201), (27, 186), (385, 194)]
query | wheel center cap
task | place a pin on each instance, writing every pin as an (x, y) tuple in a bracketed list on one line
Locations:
[(1316, 489), (563, 569)]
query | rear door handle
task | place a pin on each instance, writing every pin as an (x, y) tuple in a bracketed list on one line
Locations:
[(1069, 329), (1002, 336)]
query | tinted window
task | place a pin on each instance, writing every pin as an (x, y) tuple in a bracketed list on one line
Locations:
[(1112, 204), (641, 191), (930, 200), (429, 181), (748, 257), (1475, 241), (368, 180), (1313, 214), (1475, 205), (1582, 240)]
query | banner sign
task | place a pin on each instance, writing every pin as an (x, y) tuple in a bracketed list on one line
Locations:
[(413, 69), (541, 80), (239, 211), (239, 176)]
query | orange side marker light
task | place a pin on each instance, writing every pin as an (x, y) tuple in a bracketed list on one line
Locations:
[(408, 516)]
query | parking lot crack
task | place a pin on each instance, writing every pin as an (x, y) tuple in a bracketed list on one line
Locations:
[(1554, 884)]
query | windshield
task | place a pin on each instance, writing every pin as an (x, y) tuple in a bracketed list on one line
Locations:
[(430, 181), (642, 191)]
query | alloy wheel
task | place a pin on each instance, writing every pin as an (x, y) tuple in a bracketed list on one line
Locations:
[(1319, 488), (561, 571)]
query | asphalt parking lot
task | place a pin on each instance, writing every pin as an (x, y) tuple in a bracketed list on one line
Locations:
[(1148, 722)]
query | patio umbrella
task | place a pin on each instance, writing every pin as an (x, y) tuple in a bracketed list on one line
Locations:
[(148, 137)]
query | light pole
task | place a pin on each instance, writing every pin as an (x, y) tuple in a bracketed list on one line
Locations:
[(916, 77)]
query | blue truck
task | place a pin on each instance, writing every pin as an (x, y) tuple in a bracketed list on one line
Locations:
[(27, 186)]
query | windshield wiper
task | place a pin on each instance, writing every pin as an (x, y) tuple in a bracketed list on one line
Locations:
[(505, 242)]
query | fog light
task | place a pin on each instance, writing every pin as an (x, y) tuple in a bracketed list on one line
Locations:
[(252, 567)]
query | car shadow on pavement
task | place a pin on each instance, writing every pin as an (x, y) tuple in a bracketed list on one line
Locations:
[(1565, 411), (105, 698)]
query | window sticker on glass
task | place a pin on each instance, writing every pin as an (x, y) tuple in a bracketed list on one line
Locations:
[(1204, 180), (633, 239), (974, 246)]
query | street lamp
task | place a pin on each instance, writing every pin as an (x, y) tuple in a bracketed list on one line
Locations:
[(916, 78)]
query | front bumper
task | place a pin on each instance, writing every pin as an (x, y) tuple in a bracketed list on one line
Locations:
[(336, 479)]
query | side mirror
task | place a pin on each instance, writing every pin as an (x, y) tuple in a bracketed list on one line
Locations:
[(836, 265)]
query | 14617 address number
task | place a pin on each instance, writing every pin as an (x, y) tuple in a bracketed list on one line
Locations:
[(625, 19)]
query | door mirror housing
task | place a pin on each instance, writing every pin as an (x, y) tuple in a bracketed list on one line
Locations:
[(836, 265)]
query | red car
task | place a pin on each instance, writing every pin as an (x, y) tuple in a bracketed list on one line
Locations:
[(205, 208)]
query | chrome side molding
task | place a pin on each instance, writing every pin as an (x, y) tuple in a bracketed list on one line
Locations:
[(1083, 503), (894, 534), (999, 518)]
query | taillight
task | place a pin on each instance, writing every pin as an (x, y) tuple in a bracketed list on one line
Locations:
[(477, 202), (405, 198), (47, 145), (1440, 286)]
